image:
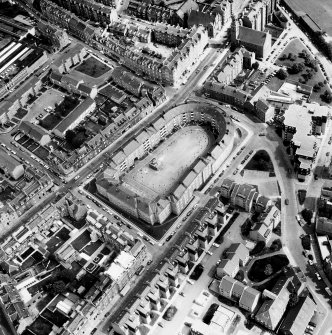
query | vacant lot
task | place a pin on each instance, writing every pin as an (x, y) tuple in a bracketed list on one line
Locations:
[(174, 157), (319, 10), (92, 67)]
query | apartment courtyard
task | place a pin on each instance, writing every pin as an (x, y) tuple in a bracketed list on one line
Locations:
[(173, 158)]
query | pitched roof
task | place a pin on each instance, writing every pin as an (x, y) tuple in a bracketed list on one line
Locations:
[(227, 283), (272, 310), (299, 316), (239, 249), (249, 297), (30, 129), (251, 36), (228, 266)]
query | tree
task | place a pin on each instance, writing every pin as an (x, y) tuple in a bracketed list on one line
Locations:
[(317, 87), (293, 299), (255, 65), (296, 68), (326, 97), (307, 215), (268, 270), (281, 74), (57, 287), (70, 135)]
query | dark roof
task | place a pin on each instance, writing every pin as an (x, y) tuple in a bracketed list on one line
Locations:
[(298, 317), (251, 36)]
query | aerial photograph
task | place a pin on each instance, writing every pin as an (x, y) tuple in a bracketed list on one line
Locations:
[(165, 167)]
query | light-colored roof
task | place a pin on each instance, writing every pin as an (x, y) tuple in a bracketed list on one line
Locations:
[(249, 297), (298, 317)]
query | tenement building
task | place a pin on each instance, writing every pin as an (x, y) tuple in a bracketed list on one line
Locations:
[(149, 205)]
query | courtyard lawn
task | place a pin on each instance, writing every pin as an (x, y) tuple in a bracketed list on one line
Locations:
[(93, 67), (50, 121), (257, 271)]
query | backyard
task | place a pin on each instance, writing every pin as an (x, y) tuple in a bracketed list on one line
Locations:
[(93, 67)]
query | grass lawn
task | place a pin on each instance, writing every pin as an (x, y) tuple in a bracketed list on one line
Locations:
[(33, 146), (81, 240), (92, 67), (256, 272), (41, 326), (21, 113), (50, 121), (41, 152), (295, 47), (261, 161)]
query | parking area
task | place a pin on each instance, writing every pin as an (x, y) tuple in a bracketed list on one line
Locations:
[(48, 99)]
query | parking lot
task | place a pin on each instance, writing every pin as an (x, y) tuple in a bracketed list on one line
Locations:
[(48, 98)]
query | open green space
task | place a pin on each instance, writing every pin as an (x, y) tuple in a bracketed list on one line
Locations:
[(266, 267), (92, 67), (50, 121), (261, 161), (21, 113), (301, 67)]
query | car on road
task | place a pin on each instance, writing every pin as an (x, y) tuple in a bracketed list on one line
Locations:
[(93, 331), (235, 172), (169, 238), (286, 201), (251, 151), (209, 252), (184, 219), (116, 217), (77, 177)]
